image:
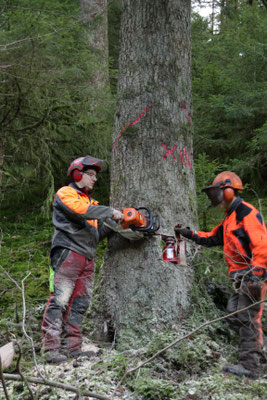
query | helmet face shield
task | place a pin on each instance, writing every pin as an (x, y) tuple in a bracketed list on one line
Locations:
[(215, 194), (89, 161)]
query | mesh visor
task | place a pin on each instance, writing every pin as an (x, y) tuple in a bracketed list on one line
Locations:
[(215, 194), (89, 161)]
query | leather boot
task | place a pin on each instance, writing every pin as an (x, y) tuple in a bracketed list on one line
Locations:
[(54, 357), (80, 353), (239, 370)]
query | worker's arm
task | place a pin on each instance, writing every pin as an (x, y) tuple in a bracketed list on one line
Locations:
[(69, 200), (257, 236), (206, 239)]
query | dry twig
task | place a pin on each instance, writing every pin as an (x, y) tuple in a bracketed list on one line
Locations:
[(21, 289), (3, 380), (13, 377), (21, 374)]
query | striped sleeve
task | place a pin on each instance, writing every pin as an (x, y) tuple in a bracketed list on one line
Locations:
[(209, 239), (256, 229)]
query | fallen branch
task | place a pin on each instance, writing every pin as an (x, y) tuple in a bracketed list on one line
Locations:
[(38, 381), (15, 377), (3, 380), (131, 371), (21, 374)]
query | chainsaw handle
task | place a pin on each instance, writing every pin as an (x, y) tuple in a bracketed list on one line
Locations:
[(149, 219)]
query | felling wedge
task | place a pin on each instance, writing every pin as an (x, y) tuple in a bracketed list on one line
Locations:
[(138, 225)]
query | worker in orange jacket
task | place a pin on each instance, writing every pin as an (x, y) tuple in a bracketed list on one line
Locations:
[(78, 222), (243, 235)]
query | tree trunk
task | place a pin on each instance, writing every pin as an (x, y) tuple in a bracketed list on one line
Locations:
[(228, 9), (2, 157), (140, 293), (94, 12)]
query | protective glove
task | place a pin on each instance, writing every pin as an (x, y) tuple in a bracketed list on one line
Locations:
[(186, 232), (257, 278)]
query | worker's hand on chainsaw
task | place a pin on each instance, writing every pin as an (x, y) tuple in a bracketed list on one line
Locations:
[(117, 215), (184, 231)]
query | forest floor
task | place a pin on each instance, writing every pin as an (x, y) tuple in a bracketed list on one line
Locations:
[(190, 370)]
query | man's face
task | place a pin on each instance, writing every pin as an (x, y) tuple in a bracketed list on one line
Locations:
[(215, 194), (222, 205), (89, 179)]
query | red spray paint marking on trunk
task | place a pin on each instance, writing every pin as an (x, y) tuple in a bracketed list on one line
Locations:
[(132, 123), (185, 110), (169, 151)]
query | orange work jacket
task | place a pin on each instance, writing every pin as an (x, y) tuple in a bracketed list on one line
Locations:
[(78, 221), (243, 236)]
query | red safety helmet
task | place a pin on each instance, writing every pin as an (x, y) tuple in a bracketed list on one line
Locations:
[(223, 187), (77, 166)]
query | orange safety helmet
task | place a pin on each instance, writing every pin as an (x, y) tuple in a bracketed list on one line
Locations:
[(223, 187)]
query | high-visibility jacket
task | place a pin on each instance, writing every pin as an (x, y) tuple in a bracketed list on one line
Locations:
[(78, 221), (243, 236)]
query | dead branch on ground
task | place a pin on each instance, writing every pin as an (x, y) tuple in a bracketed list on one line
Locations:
[(3, 380), (63, 386), (20, 372)]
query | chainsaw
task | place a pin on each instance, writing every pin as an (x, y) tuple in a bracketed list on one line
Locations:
[(135, 225)]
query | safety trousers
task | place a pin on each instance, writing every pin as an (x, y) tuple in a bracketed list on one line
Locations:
[(249, 322), (67, 304)]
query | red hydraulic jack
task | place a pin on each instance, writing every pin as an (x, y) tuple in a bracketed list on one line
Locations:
[(175, 249)]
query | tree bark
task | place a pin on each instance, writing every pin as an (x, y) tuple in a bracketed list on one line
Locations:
[(140, 293), (2, 157), (94, 13)]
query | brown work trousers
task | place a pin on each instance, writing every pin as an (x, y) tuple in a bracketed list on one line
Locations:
[(249, 322)]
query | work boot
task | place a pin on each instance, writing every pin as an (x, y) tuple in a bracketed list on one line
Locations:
[(239, 370), (54, 357), (80, 353)]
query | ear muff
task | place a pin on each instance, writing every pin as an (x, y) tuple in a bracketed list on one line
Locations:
[(77, 175), (228, 194)]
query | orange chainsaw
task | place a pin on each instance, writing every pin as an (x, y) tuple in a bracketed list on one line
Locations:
[(137, 221), (136, 224)]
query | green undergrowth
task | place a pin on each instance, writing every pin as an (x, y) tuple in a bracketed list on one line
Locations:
[(25, 246), (215, 386), (25, 242)]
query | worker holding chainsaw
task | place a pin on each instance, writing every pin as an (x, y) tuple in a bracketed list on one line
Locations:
[(243, 236), (78, 222)]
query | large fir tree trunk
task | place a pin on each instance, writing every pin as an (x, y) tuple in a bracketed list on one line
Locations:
[(2, 156), (140, 293), (95, 16)]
